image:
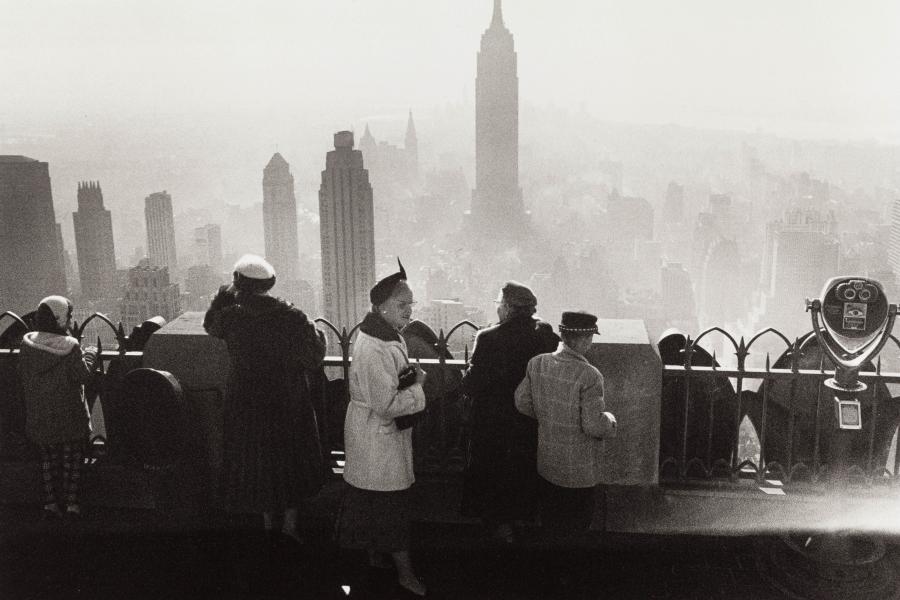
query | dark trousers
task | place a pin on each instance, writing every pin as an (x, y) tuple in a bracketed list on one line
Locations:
[(61, 471), (565, 511)]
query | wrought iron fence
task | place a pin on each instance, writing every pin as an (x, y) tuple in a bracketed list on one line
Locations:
[(718, 423), (439, 439), (711, 414)]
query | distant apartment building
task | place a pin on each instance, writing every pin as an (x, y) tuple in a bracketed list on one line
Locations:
[(207, 247), (160, 231), (802, 251), (677, 294), (149, 293), (628, 220), (94, 244), (201, 282), (443, 314), (346, 221), (32, 262), (673, 205), (389, 165)]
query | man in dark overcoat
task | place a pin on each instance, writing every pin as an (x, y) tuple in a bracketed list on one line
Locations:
[(501, 480)]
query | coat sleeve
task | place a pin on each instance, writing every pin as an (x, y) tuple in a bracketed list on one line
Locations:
[(477, 379), (81, 364), (378, 381), (308, 344), (594, 421), (212, 321), (524, 396)]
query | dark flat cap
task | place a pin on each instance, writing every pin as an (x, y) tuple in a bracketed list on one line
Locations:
[(382, 290), (578, 322), (517, 294)]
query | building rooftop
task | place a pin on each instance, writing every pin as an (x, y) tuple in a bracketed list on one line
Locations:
[(16, 158)]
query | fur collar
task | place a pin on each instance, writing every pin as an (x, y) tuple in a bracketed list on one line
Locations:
[(53, 343), (374, 324)]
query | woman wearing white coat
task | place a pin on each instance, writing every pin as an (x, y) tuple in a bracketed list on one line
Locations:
[(385, 390)]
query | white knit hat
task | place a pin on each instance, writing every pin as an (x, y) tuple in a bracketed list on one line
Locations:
[(60, 306), (254, 267)]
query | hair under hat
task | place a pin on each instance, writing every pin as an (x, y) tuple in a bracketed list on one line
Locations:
[(384, 289)]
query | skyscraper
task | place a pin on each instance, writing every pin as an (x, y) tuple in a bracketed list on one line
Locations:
[(280, 218), (94, 243), (30, 256), (411, 145), (148, 293), (208, 247), (347, 231), (160, 231), (497, 198)]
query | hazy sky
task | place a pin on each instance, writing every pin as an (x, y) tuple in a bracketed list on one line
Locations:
[(807, 68)]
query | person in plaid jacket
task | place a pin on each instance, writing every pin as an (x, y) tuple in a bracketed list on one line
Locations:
[(564, 392)]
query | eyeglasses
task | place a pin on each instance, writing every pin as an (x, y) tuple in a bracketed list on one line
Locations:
[(405, 304)]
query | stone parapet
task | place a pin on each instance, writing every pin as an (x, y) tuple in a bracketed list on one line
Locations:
[(632, 373)]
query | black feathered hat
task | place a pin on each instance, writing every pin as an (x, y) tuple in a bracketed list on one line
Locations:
[(383, 290)]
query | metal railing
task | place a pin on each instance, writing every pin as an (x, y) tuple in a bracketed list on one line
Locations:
[(714, 425), (439, 438), (710, 415)]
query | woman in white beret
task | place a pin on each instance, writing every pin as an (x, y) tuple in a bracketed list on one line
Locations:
[(272, 458)]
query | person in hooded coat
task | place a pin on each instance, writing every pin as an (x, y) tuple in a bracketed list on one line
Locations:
[(52, 369), (272, 459), (500, 483)]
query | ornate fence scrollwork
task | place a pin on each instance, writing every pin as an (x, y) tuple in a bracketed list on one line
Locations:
[(787, 413)]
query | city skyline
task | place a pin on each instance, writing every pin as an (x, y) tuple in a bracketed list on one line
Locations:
[(595, 186)]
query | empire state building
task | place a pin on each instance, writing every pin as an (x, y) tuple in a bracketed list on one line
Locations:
[(497, 198)]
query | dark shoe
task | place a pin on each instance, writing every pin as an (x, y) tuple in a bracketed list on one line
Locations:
[(403, 593), (51, 512)]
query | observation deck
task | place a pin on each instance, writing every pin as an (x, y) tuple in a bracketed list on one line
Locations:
[(704, 449)]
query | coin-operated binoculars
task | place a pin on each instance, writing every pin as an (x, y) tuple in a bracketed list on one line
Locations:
[(852, 321)]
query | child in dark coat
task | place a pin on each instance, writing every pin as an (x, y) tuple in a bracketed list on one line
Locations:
[(53, 368)]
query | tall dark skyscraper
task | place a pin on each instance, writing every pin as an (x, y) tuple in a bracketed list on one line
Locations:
[(160, 231), (280, 219), (94, 243), (30, 256), (347, 231), (497, 198)]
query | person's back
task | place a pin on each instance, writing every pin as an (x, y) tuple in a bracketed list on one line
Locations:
[(564, 392), (568, 403), (500, 481), (52, 368), (271, 457)]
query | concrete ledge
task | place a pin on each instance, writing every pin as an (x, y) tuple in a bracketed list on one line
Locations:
[(632, 373)]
